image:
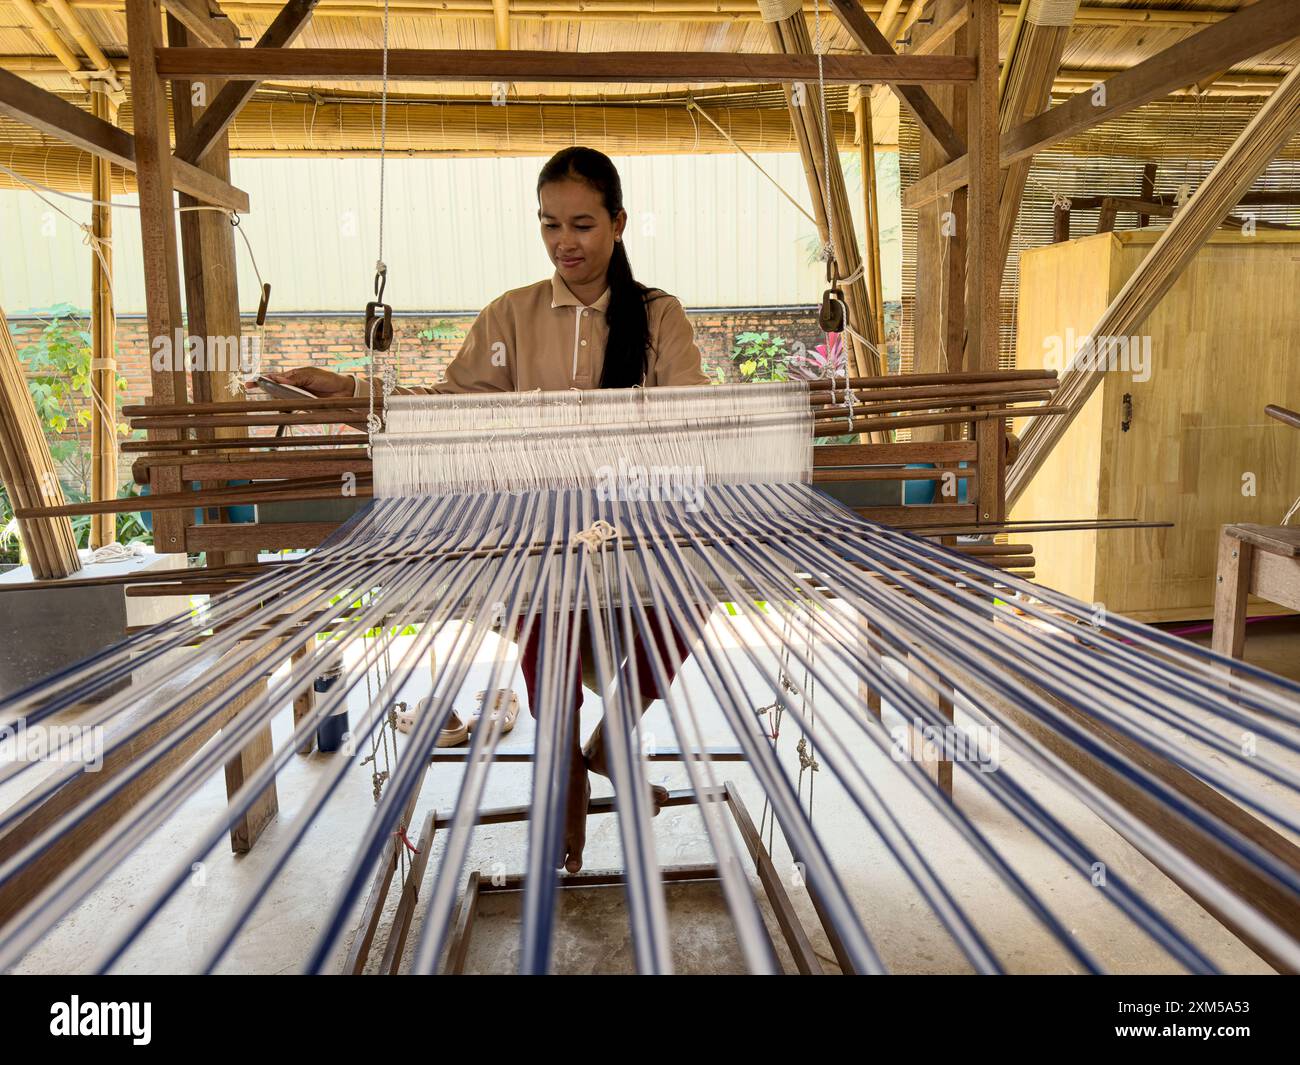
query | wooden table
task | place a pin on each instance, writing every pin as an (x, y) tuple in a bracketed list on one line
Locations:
[(1262, 560)]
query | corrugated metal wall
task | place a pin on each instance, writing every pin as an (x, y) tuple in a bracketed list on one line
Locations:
[(458, 232)]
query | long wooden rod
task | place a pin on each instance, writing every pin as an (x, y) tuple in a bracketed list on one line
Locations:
[(323, 65)]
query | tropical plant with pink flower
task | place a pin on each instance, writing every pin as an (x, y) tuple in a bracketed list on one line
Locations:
[(825, 360)]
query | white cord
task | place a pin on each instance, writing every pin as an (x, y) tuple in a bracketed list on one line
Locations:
[(101, 203), (114, 552)]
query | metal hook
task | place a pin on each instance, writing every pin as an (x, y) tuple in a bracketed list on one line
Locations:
[(381, 279)]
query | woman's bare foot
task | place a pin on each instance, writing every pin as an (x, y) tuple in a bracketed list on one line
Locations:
[(594, 753), (575, 815)]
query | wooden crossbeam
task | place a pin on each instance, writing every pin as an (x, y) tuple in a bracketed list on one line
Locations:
[(913, 97), (218, 115), (1248, 32), (446, 64), (42, 110), (205, 21)]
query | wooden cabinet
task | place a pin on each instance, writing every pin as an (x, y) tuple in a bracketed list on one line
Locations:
[(1183, 438)]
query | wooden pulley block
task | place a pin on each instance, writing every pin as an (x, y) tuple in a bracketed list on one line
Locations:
[(831, 315), (379, 326)]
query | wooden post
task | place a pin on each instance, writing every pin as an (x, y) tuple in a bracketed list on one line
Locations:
[(939, 312), (211, 284), (1147, 192), (1060, 223), (162, 290), (1232, 585), (984, 258), (103, 339)]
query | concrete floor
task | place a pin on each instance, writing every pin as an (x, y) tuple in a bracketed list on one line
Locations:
[(592, 934)]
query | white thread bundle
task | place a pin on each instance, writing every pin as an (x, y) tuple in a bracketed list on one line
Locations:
[(653, 445)]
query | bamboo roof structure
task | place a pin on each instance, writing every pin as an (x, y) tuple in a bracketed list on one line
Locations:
[(66, 45)]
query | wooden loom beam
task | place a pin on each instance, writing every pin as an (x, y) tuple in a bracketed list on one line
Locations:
[(1246, 33), (22, 887)]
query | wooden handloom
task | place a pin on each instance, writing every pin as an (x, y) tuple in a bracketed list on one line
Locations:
[(199, 434)]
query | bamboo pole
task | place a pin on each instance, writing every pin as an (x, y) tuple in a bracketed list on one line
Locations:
[(789, 35), (103, 339), (28, 471), (871, 214)]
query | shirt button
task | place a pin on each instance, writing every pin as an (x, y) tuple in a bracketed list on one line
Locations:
[(585, 313), (584, 343)]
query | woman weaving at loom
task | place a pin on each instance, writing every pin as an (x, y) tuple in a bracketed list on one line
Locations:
[(591, 325)]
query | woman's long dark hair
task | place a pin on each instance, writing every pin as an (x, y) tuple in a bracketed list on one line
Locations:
[(627, 351)]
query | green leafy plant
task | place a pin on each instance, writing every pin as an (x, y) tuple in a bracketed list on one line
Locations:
[(443, 329), (58, 366), (760, 357)]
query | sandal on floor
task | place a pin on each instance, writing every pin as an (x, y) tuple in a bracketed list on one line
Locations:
[(505, 706), (454, 735)]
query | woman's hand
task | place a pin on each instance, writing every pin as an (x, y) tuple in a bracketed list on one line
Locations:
[(324, 384)]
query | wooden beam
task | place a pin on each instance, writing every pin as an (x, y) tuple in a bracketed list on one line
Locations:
[(42, 110), (1248, 32), (913, 97), (218, 115), (162, 290), (984, 262), (1264, 136), (939, 314), (1030, 70), (81, 789), (204, 20), (1183, 832), (446, 64), (941, 32)]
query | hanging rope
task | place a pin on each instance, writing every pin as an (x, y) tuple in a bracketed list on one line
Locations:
[(379, 315)]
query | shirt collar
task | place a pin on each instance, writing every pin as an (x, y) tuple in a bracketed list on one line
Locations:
[(561, 296)]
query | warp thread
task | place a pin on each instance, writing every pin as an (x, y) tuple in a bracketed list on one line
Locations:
[(1051, 12)]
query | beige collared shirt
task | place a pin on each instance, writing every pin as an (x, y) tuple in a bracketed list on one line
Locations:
[(543, 336)]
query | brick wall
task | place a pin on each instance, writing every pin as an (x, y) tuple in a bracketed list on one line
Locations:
[(428, 344)]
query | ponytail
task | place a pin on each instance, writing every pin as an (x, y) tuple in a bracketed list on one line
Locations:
[(627, 351)]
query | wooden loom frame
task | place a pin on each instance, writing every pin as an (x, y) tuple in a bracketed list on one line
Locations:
[(197, 168)]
